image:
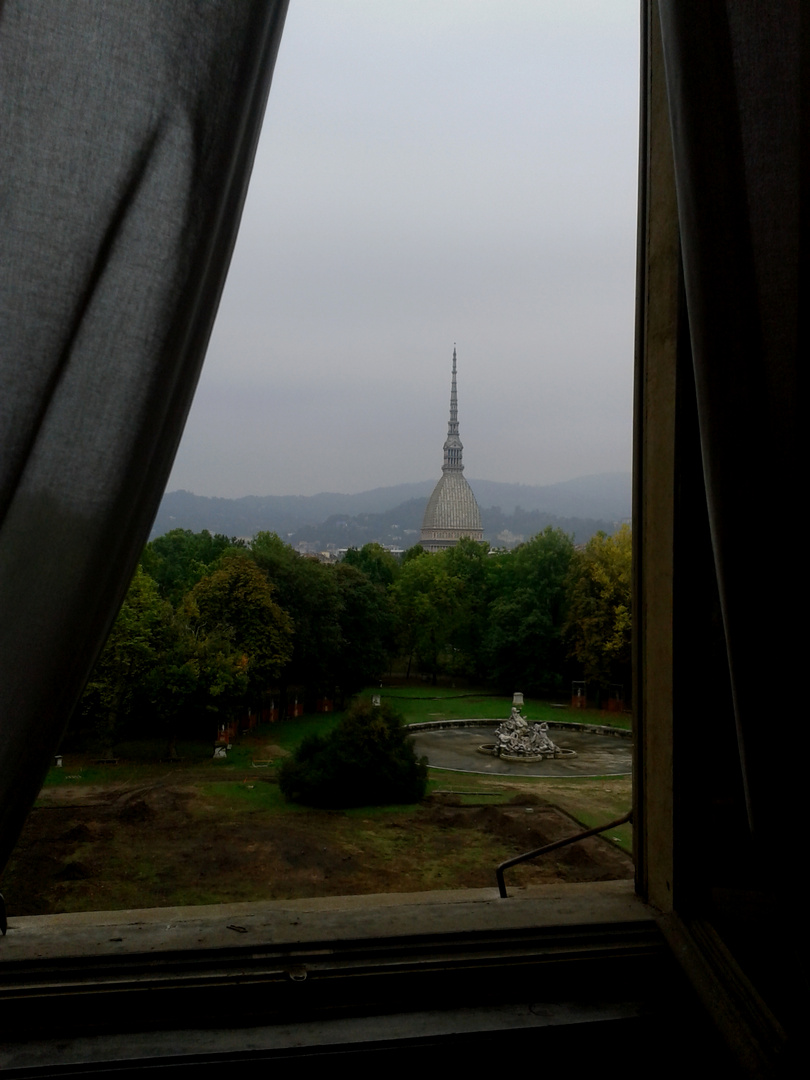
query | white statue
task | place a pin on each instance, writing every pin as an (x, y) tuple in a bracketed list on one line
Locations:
[(518, 738)]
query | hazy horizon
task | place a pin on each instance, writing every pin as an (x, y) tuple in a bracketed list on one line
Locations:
[(430, 173), (427, 481)]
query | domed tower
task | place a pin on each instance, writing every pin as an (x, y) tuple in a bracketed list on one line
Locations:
[(452, 511)]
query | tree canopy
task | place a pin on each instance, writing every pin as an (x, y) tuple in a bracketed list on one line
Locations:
[(235, 604), (177, 560), (598, 626), (523, 637), (120, 682), (379, 565), (211, 627), (367, 760)]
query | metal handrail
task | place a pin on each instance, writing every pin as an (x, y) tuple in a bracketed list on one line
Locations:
[(557, 844)]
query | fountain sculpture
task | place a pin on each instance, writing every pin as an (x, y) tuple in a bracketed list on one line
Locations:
[(519, 740)]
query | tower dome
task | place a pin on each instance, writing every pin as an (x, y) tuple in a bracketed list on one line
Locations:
[(452, 511)]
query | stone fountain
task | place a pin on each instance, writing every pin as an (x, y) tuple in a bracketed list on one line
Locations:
[(521, 740)]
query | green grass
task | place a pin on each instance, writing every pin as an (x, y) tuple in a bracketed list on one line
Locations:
[(239, 796), (592, 801), (154, 751), (622, 836), (589, 800), (422, 704), (82, 771), (474, 785), (384, 844), (144, 759), (288, 733), (379, 811)]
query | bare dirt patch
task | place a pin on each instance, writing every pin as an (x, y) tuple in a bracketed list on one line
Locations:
[(164, 843)]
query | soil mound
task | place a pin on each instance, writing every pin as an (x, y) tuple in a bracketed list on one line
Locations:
[(166, 843), (526, 828), (73, 871)]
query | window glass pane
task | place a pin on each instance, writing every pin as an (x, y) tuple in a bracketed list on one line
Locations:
[(429, 174)]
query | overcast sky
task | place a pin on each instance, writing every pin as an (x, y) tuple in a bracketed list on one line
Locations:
[(430, 172)]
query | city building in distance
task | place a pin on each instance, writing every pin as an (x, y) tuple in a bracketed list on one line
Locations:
[(452, 511)]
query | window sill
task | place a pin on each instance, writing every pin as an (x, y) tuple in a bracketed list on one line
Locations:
[(106, 936), (85, 985)]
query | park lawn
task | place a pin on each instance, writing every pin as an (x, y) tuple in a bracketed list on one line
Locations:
[(419, 705), (234, 838), (145, 758), (589, 800), (145, 832)]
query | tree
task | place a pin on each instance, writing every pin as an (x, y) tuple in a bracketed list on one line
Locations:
[(308, 592), (367, 760), (523, 641), (599, 622), (178, 559), (120, 679), (379, 565), (367, 629), (416, 551), (468, 563), (426, 597), (235, 607)]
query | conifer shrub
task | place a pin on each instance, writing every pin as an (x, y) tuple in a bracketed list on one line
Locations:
[(367, 760)]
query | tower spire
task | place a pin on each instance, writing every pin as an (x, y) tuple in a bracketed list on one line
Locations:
[(452, 447), (451, 512)]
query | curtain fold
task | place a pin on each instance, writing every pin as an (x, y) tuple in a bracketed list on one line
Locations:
[(127, 134), (735, 88)]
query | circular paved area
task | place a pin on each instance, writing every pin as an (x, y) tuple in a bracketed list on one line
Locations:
[(457, 749)]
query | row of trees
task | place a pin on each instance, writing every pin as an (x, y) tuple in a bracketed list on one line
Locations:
[(211, 626), (533, 618)]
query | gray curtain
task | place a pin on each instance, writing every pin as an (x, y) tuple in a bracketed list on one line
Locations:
[(736, 75), (127, 136)]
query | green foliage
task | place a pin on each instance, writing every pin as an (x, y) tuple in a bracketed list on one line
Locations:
[(209, 626), (308, 591), (216, 653), (599, 621), (235, 604), (119, 682), (497, 618), (178, 559), (367, 760), (379, 565), (426, 597), (342, 614), (523, 639), (367, 629), (470, 565)]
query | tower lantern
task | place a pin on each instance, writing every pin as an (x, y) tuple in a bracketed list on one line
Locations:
[(452, 511)]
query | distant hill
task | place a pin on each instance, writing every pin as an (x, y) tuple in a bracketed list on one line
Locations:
[(400, 527), (390, 513), (605, 495)]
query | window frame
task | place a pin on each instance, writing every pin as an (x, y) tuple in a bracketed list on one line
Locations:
[(381, 955)]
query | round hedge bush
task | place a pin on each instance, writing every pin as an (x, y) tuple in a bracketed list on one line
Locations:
[(367, 760)]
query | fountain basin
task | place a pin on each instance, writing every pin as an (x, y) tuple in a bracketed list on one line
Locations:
[(454, 745)]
